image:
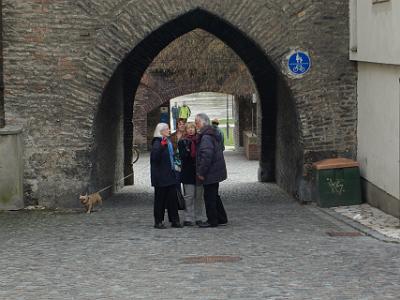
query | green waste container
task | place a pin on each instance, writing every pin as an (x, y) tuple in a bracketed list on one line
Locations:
[(337, 182)]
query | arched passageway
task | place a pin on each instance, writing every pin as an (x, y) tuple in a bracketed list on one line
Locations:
[(69, 88), (281, 150)]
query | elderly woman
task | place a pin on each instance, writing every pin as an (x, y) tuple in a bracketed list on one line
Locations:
[(163, 178), (193, 192)]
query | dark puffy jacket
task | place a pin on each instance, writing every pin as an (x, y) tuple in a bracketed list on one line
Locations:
[(188, 171), (160, 165), (210, 161)]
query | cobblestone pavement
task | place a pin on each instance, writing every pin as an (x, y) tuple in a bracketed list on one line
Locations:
[(116, 254)]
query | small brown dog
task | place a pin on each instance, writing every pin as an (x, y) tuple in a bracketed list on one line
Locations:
[(90, 200)]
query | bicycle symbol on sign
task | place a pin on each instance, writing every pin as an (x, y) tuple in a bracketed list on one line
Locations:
[(299, 67), (299, 63)]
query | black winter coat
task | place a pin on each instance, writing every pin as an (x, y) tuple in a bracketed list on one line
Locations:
[(188, 171), (162, 174), (210, 161)]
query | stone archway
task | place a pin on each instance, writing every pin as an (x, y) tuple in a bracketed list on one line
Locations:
[(67, 65), (269, 84), (164, 90), (157, 90)]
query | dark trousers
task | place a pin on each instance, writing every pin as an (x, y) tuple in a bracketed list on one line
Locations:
[(165, 198), (214, 208), (178, 187)]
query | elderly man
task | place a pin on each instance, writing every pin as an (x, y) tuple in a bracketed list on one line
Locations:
[(210, 170)]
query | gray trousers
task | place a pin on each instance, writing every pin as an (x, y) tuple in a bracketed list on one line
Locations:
[(194, 202)]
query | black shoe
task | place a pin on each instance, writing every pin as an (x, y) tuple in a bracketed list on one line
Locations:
[(176, 225), (159, 226), (223, 224), (198, 222), (187, 223), (206, 225)]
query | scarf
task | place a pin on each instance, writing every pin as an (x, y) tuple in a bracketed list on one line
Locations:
[(171, 154), (193, 139)]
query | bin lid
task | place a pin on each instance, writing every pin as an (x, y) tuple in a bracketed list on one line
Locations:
[(335, 163)]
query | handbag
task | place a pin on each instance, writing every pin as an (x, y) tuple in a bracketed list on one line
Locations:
[(180, 200)]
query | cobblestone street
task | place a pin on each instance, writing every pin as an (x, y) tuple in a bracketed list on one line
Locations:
[(115, 253)]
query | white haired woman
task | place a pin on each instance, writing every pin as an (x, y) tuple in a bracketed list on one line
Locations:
[(163, 178)]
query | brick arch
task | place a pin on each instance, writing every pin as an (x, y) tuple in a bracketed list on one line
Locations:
[(165, 90), (166, 95), (80, 80), (264, 71), (115, 41), (151, 94)]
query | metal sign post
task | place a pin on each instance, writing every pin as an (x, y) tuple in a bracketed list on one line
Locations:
[(253, 101)]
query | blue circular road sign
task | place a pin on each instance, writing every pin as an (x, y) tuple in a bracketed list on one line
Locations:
[(299, 63)]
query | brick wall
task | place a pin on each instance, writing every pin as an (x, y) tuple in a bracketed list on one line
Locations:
[(71, 69), (243, 118)]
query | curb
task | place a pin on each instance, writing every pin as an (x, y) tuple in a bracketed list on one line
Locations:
[(357, 226)]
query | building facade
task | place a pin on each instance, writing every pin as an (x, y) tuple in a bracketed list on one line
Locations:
[(375, 46)]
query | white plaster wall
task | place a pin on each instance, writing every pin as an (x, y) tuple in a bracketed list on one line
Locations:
[(378, 125), (375, 31)]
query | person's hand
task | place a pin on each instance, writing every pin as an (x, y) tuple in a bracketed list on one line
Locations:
[(200, 178), (164, 142)]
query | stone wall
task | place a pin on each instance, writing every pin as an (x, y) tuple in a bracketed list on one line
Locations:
[(140, 115), (243, 118), (71, 69), (2, 113)]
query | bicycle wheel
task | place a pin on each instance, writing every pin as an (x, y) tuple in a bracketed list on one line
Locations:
[(135, 155)]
